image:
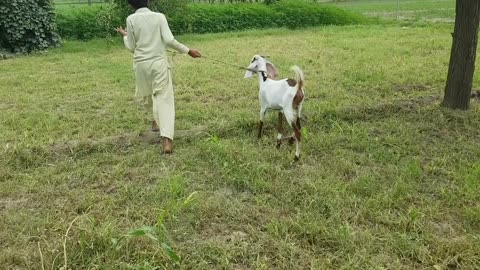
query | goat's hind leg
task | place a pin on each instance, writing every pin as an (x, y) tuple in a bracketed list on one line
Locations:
[(291, 139), (280, 130), (298, 138)]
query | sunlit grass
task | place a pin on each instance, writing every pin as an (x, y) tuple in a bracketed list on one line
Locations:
[(424, 10), (388, 179)]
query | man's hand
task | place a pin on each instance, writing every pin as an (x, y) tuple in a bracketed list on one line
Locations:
[(194, 53), (121, 31)]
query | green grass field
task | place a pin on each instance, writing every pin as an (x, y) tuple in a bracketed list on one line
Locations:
[(388, 180), (405, 10), (410, 10)]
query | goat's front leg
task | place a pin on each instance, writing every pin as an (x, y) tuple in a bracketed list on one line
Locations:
[(260, 124), (298, 139), (280, 130)]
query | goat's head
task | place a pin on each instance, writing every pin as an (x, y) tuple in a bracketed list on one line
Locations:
[(260, 64)]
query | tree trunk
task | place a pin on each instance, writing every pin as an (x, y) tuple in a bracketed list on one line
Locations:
[(462, 58)]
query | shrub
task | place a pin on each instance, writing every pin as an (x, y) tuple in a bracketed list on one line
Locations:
[(269, 2), (168, 7), (27, 26), (87, 22), (297, 14), (205, 18), (201, 18)]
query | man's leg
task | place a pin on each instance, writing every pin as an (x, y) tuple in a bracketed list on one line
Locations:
[(164, 112), (148, 104)]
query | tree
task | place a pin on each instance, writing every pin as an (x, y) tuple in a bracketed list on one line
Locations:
[(27, 26), (463, 55)]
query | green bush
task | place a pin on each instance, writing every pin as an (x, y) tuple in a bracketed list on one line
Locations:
[(204, 18), (167, 7), (201, 18), (297, 14), (26, 26), (87, 22)]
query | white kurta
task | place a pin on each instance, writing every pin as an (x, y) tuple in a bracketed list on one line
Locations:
[(148, 37)]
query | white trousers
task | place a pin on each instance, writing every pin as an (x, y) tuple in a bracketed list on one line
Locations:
[(156, 78)]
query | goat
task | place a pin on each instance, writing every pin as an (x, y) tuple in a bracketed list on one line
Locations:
[(285, 96)]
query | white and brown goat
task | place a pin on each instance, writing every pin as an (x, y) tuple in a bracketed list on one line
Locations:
[(285, 96)]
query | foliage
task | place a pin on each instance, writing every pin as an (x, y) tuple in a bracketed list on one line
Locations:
[(87, 22), (200, 18), (27, 26), (159, 233), (168, 7), (203, 18), (270, 2), (298, 14), (291, 14)]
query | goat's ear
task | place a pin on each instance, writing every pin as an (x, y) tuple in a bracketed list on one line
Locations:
[(272, 71)]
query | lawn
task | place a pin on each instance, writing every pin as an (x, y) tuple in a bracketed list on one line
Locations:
[(388, 179), (408, 10)]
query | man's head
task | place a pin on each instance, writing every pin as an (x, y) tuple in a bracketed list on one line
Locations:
[(136, 4)]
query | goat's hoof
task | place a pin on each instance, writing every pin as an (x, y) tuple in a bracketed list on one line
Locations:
[(297, 158)]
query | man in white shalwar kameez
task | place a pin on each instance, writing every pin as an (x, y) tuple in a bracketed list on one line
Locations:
[(147, 36)]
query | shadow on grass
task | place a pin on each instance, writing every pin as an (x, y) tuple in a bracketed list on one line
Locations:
[(413, 110), (37, 156)]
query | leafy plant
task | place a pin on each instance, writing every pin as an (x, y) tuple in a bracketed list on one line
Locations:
[(27, 26), (86, 23), (159, 232), (269, 2), (168, 7)]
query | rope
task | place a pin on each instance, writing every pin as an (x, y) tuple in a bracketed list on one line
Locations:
[(218, 61), (226, 63)]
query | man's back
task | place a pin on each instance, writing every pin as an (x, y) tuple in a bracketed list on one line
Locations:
[(150, 34)]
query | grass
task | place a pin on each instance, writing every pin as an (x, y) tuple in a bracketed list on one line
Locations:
[(388, 180), (408, 10)]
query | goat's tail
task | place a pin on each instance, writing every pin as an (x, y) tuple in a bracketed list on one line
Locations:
[(293, 112), (299, 76)]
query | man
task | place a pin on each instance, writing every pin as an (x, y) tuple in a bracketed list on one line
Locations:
[(147, 36)]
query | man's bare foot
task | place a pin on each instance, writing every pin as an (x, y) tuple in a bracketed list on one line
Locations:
[(155, 126), (167, 146)]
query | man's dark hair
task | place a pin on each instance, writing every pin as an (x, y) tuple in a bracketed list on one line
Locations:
[(136, 4)]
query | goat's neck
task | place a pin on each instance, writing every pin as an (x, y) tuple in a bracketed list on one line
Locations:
[(262, 77)]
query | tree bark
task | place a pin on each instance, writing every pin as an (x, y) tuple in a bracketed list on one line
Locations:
[(463, 54)]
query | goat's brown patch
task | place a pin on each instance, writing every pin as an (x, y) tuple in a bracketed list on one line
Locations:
[(291, 82), (299, 96)]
